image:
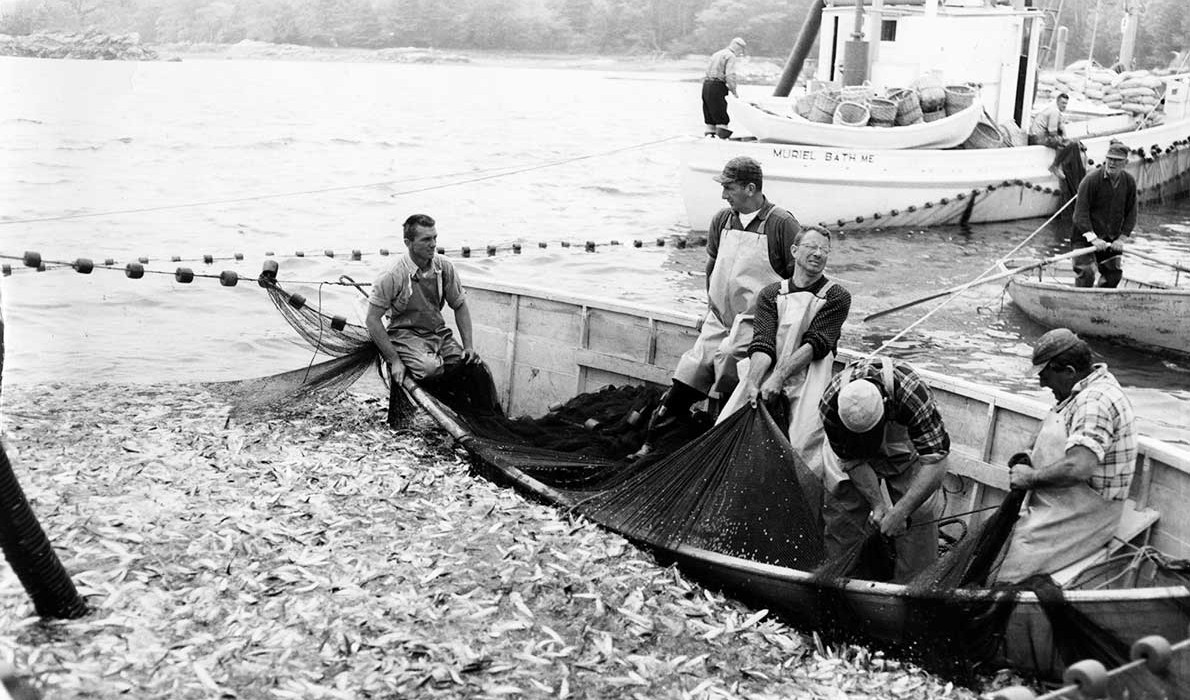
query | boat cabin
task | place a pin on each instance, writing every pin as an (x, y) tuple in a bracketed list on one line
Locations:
[(961, 41)]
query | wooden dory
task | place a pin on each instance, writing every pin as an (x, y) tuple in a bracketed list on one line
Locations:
[(1135, 313), (544, 348)]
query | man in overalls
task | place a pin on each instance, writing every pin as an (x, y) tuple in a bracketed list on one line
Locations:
[(749, 246), (795, 337), (883, 429), (412, 293), (1081, 465)]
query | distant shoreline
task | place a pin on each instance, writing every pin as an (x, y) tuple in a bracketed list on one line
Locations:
[(754, 70)]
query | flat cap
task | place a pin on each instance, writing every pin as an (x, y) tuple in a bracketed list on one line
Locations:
[(740, 169), (1117, 149), (1052, 344)]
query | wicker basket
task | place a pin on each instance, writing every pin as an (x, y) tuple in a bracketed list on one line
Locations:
[(805, 104), (958, 98), (858, 93), (851, 114), (930, 92), (985, 136), (825, 103), (908, 107), (933, 116), (883, 112)]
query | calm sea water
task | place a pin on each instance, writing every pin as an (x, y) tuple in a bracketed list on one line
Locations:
[(217, 157)]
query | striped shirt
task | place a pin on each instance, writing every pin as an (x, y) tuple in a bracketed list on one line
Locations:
[(1099, 417), (822, 335), (911, 405)]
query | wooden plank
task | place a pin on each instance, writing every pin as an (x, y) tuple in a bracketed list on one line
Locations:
[(966, 463), (618, 365)]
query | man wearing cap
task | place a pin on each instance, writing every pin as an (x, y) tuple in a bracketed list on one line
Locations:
[(720, 79), (1104, 215), (750, 245), (883, 426), (795, 337), (1081, 465), (412, 294)]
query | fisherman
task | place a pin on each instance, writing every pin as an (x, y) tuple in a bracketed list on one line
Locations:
[(1104, 216), (1081, 465), (750, 245), (1048, 127), (412, 294), (795, 337), (883, 429), (720, 79)]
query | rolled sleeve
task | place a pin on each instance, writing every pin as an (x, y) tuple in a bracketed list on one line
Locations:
[(386, 293), (1091, 425), (452, 289)]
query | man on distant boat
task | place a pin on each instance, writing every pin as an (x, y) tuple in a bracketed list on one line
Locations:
[(720, 79), (1048, 128), (1081, 465), (1104, 216), (883, 426), (794, 340), (750, 245), (412, 294)]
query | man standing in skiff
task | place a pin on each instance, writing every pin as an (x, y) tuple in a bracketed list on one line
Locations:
[(750, 245), (1104, 216)]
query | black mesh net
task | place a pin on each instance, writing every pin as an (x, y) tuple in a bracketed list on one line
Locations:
[(735, 488)]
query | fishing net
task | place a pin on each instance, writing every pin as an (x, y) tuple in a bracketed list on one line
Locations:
[(735, 488)]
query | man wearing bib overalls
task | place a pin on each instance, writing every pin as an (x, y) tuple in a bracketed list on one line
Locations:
[(749, 246), (1081, 465), (795, 337), (412, 294), (883, 428)]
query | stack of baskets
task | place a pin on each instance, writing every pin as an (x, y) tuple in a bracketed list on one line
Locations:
[(850, 113), (958, 98), (825, 104), (932, 96)]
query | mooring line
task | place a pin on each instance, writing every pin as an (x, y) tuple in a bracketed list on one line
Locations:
[(495, 173)]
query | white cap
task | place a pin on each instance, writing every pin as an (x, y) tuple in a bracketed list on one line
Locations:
[(738, 42), (860, 406)]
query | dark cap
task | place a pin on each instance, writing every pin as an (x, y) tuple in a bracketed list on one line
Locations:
[(1051, 345), (740, 169), (1117, 149)]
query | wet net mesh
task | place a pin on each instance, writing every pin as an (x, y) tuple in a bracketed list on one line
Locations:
[(735, 488)]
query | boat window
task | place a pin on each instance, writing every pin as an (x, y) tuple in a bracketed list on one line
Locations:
[(888, 30)]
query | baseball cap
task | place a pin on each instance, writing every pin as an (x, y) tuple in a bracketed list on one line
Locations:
[(1117, 149), (1052, 344), (740, 169), (861, 407)]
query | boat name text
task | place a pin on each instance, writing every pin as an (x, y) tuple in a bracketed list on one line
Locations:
[(825, 156)]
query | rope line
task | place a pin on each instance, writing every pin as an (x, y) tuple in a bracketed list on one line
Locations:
[(995, 266), (496, 173)]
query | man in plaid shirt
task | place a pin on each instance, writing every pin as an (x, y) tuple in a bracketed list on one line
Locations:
[(883, 426), (1081, 465)]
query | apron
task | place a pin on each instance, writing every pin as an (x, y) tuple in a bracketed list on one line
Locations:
[(1058, 525), (423, 311), (804, 390), (741, 270)]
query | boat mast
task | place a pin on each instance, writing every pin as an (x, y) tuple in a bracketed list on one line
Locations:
[(1128, 33), (855, 51), (801, 49)]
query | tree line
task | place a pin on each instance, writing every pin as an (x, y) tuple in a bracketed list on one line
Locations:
[(649, 27)]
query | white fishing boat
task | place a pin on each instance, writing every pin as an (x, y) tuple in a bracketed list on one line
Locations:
[(857, 187), (773, 120)]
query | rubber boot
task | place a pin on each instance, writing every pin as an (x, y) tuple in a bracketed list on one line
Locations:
[(675, 404), (722, 133)]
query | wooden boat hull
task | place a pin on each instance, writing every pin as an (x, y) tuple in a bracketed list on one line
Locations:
[(1133, 315), (544, 348), (858, 188), (766, 121)]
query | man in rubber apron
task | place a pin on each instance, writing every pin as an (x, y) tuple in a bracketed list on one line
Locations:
[(749, 246), (886, 454), (1081, 465), (795, 337)]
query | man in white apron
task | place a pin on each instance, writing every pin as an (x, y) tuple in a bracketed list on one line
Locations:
[(412, 294), (883, 430), (796, 334), (1081, 465), (749, 246)]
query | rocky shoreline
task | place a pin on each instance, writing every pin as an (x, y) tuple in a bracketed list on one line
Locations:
[(86, 45)]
